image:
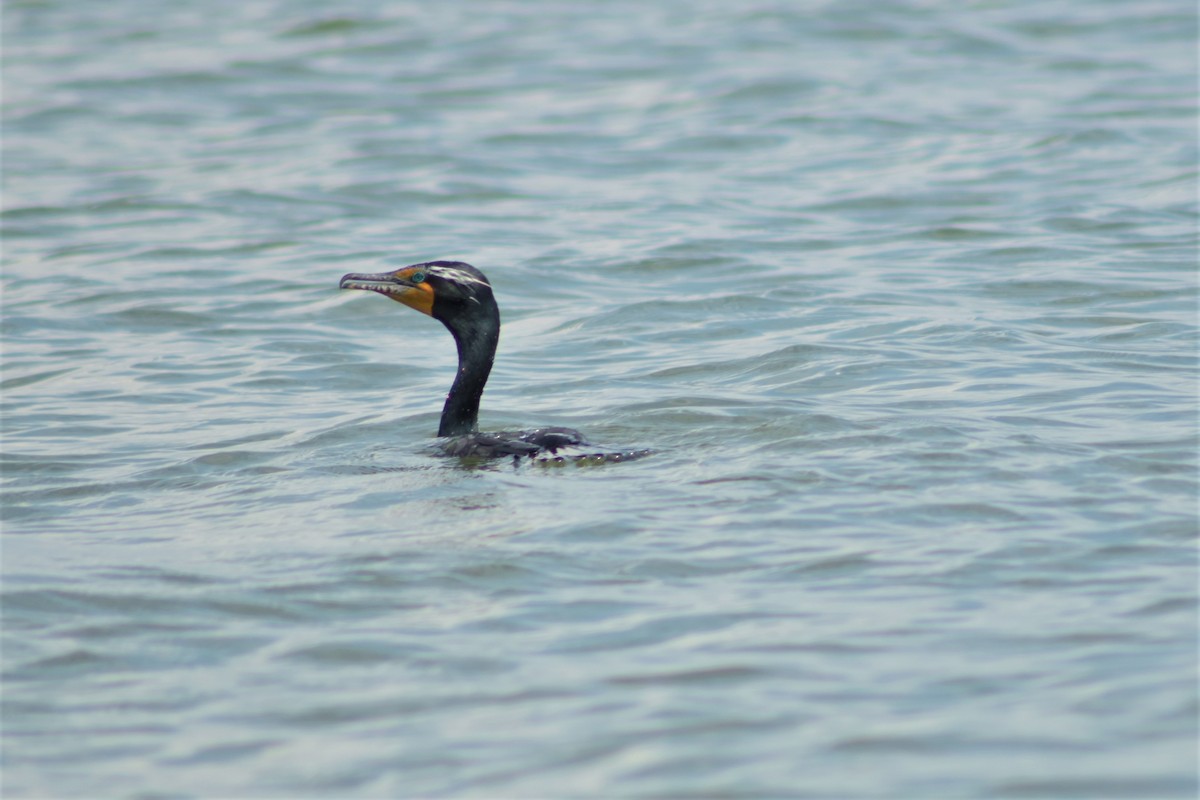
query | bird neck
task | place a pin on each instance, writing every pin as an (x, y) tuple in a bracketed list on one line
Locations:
[(476, 339)]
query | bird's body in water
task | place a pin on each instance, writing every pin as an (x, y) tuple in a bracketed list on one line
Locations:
[(460, 297)]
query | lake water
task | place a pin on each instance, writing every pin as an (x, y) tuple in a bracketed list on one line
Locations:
[(903, 296)]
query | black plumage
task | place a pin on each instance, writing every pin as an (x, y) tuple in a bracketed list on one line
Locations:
[(460, 297)]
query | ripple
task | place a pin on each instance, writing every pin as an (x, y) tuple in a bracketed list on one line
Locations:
[(909, 326)]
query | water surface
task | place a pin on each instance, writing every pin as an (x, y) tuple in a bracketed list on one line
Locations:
[(902, 295)]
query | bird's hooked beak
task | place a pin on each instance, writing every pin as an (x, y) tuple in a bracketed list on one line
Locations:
[(407, 285)]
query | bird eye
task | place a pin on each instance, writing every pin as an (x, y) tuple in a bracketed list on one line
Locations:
[(417, 277)]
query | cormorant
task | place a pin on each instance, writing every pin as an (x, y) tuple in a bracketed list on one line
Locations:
[(460, 297)]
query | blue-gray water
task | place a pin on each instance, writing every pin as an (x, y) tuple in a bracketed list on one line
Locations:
[(903, 295)]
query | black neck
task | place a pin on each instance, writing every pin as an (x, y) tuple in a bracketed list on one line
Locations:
[(476, 336)]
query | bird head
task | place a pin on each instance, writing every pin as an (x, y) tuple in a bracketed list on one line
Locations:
[(442, 289)]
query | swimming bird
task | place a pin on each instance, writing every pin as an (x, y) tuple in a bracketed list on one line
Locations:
[(460, 297)]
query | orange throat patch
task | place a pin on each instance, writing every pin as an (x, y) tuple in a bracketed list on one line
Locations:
[(419, 297)]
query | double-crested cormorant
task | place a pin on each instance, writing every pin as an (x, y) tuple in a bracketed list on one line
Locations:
[(460, 297)]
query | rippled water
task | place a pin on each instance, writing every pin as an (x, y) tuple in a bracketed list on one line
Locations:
[(902, 294)]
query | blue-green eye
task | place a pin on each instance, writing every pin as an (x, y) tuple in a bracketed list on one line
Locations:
[(417, 277)]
